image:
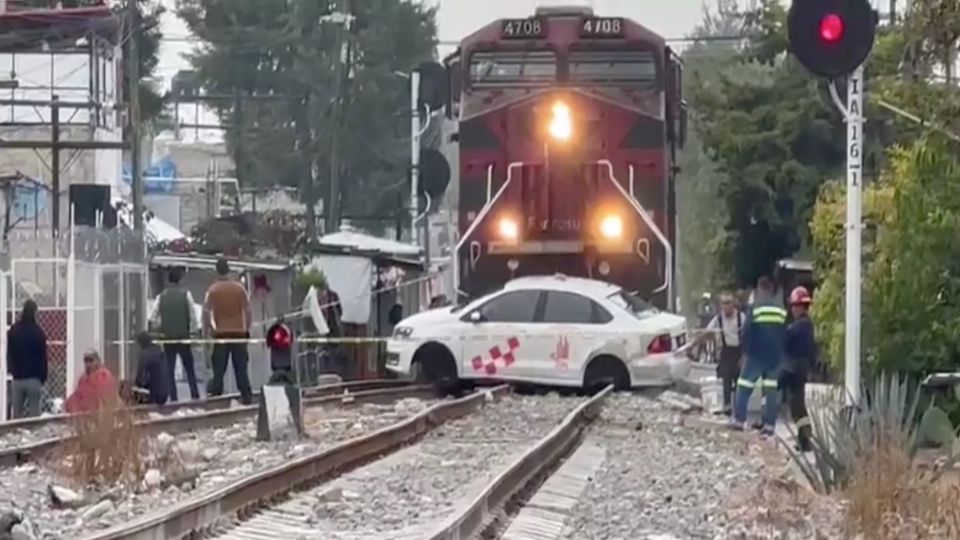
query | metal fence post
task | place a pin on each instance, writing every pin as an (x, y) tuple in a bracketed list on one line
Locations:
[(4, 312)]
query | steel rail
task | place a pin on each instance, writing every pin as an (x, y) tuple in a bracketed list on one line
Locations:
[(474, 518), (213, 403), (211, 419), (195, 517)]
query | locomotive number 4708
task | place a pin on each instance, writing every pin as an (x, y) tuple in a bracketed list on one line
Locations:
[(602, 27)]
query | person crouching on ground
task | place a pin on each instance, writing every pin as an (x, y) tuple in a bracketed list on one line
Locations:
[(152, 377), (97, 386)]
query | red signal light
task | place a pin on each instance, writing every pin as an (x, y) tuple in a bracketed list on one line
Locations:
[(831, 28), (279, 337)]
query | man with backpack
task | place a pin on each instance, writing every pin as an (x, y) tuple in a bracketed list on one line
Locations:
[(728, 325)]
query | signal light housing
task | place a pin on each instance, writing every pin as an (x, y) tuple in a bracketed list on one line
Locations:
[(831, 37), (279, 337)]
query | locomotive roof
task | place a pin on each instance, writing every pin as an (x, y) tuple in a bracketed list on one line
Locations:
[(567, 30)]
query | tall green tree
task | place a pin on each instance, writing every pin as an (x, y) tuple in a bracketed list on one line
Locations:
[(701, 221), (277, 60), (774, 134)]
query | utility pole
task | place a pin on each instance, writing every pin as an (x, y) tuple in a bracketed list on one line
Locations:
[(414, 153), (343, 18), (133, 66), (238, 160), (55, 162), (854, 228)]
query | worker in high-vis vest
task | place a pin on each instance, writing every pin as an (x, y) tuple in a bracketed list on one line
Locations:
[(763, 336)]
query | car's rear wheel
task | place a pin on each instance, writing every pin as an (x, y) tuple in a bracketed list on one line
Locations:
[(606, 370), (434, 364)]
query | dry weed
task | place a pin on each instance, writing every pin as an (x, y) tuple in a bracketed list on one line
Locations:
[(890, 498), (106, 449)]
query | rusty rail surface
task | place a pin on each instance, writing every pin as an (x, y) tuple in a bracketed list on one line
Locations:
[(209, 404), (473, 519), (197, 516), (216, 418)]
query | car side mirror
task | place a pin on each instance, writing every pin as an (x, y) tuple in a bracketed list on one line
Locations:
[(475, 317)]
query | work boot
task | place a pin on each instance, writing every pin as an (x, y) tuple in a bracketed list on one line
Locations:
[(767, 431), (757, 426), (734, 425)]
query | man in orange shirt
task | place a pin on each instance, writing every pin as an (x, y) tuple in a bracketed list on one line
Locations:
[(226, 314), (97, 386)]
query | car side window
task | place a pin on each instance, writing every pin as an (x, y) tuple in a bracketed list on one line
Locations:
[(513, 307), (564, 307)]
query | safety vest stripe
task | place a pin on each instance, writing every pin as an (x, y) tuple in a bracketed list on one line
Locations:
[(771, 310), (746, 383), (769, 383), (769, 319), (803, 422)]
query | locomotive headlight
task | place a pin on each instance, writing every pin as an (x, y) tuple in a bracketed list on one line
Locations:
[(508, 229), (611, 227), (561, 122)]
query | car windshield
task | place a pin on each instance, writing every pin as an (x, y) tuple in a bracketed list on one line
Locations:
[(633, 303)]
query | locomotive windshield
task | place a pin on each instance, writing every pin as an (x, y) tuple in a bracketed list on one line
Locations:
[(636, 68), (513, 68)]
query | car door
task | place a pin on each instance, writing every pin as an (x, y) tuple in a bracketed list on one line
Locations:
[(497, 342), (571, 327)]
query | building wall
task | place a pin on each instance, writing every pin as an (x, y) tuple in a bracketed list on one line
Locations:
[(71, 76)]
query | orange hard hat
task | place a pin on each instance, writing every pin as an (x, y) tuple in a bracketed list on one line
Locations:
[(799, 296)]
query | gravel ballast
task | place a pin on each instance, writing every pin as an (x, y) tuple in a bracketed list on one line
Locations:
[(660, 479), (409, 493), (215, 457)]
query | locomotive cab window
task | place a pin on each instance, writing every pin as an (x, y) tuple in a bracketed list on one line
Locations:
[(513, 68), (636, 68)]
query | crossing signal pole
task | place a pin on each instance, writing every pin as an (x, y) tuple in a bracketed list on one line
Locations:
[(832, 38)]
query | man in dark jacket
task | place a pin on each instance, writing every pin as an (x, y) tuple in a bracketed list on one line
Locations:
[(152, 375), (27, 358), (176, 319), (801, 352)]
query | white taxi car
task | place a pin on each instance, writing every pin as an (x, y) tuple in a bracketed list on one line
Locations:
[(551, 330)]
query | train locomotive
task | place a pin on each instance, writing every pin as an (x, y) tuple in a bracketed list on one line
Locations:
[(568, 130)]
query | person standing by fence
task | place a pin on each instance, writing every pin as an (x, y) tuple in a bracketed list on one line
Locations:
[(226, 313), (27, 358), (175, 317)]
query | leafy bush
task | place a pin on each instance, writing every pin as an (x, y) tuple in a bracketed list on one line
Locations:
[(911, 273)]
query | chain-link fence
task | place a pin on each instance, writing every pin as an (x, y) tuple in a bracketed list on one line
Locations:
[(90, 289)]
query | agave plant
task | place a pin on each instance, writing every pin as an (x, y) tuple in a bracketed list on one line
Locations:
[(842, 436)]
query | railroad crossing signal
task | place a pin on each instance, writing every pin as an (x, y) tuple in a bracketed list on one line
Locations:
[(831, 37), (280, 343)]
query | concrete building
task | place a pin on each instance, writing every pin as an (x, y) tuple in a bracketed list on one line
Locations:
[(63, 81)]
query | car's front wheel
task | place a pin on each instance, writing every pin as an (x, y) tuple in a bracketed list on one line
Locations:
[(434, 364), (606, 370)]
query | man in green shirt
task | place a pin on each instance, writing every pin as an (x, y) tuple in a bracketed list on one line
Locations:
[(175, 317)]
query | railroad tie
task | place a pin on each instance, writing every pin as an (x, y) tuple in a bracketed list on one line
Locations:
[(545, 514)]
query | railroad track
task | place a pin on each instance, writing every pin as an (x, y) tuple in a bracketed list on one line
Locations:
[(209, 404), (489, 513), (217, 415), (274, 504), (203, 516)]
